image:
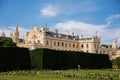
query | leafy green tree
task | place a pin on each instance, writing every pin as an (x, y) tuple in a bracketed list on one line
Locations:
[(104, 45), (7, 42), (116, 62)]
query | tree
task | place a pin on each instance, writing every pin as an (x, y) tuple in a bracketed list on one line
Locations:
[(6, 42), (116, 62), (104, 45)]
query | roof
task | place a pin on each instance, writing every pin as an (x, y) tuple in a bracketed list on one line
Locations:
[(59, 35)]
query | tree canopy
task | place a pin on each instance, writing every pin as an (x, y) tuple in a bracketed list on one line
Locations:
[(6, 42), (116, 62)]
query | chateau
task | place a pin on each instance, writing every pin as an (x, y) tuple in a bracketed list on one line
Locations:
[(44, 38)]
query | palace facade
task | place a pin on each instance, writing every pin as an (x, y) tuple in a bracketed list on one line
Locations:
[(44, 38)]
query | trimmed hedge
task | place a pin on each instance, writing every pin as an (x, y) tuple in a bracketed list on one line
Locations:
[(53, 59), (14, 58)]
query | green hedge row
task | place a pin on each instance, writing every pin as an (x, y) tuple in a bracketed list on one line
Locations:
[(14, 58), (53, 59)]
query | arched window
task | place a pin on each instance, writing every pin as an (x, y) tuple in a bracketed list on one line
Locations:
[(58, 43), (62, 44), (65, 44), (73, 45), (82, 46)]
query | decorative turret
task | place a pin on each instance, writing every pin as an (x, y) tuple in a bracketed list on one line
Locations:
[(11, 34), (3, 34), (114, 44), (16, 34)]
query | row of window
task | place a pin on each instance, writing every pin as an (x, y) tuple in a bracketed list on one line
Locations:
[(63, 44), (30, 42), (96, 45)]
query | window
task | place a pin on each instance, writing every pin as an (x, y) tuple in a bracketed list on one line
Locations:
[(82, 46), (65, 44), (73, 45), (46, 42), (69, 44), (58, 43), (38, 41), (29, 42), (95, 45), (96, 51), (62, 44), (54, 43), (87, 51), (87, 45)]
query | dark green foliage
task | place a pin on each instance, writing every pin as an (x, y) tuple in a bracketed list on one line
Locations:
[(53, 59), (6, 42), (14, 58), (116, 62), (104, 45), (36, 58)]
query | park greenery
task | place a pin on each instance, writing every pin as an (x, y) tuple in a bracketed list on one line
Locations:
[(73, 74), (45, 64), (116, 63)]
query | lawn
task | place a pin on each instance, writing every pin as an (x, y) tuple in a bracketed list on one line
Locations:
[(61, 75)]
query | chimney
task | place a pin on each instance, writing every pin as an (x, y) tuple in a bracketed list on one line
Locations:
[(56, 31), (72, 34)]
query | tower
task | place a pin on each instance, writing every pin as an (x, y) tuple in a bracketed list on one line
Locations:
[(3, 34), (16, 34), (114, 44)]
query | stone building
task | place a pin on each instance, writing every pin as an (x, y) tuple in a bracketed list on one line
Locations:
[(44, 38), (54, 40)]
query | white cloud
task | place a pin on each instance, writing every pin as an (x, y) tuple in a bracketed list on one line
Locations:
[(112, 17), (79, 28), (106, 34), (49, 10)]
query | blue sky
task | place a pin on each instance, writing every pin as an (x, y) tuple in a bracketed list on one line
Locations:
[(80, 16)]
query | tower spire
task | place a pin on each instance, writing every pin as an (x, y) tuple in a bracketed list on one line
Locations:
[(17, 28), (3, 34), (16, 35)]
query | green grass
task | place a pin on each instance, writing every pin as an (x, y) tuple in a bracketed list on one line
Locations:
[(61, 75)]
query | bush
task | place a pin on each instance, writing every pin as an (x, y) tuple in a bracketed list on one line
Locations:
[(14, 58), (53, 59)]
